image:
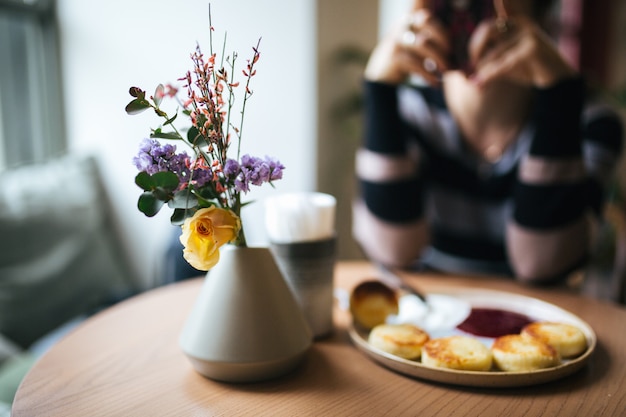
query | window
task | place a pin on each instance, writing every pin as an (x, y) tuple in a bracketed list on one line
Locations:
[(31, 108)]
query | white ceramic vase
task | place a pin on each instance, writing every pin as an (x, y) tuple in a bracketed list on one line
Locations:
[(245, 325)]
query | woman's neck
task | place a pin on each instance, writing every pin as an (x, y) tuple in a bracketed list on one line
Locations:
[(489, 117)]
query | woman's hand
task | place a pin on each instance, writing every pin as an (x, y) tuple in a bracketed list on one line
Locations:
[(516, 49), (418, 44)]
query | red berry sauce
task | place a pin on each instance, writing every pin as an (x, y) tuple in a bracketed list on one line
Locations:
[(493, 322)]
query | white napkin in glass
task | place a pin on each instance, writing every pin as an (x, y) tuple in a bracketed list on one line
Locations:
[(299, 217)]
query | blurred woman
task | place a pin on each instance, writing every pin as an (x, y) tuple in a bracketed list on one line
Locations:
[(497, 161)]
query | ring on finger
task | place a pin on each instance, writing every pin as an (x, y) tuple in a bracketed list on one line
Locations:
[(430, 65), (503, 25), (408, 38)]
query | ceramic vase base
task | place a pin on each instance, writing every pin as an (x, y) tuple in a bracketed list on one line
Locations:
[(246, 324), (246, 372)]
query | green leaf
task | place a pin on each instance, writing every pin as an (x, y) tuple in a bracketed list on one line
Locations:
[(161, 185), (144, 181), (207, 193), (170, 120), (163, 194), (137, 106), (157, 134), (148, 204), (166, 180), (158, 94), (206, 203), (183, 199), (179, 216), (194, 137)]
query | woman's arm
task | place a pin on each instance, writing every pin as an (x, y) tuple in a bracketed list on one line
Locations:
[(550, 230), (388, 218)]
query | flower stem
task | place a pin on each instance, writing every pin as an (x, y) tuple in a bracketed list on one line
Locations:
[(247, 93), (241, 237)]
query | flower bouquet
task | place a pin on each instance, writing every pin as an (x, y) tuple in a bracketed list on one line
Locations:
[(204, 189), (261, 331)]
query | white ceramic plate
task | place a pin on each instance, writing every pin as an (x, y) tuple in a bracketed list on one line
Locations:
[(531, 307)]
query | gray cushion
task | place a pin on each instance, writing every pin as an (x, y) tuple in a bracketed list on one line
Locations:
[(59, 254)]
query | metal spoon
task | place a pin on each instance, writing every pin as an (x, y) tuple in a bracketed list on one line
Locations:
[(394, 280)]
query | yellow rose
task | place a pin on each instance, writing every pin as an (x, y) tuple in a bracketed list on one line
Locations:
[(205, 232)]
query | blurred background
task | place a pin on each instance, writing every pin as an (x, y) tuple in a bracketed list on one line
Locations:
[(71, 238), (67, 65)]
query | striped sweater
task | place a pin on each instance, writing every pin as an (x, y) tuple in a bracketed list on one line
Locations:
[(426, 199)]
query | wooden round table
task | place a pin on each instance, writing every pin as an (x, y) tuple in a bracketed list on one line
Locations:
[(125, 361)]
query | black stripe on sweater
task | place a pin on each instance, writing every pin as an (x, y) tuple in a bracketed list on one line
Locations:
[(472, 247), (556, 108), (384, 131), (464, 181), (379, 198), (549, 206), (605, 130)]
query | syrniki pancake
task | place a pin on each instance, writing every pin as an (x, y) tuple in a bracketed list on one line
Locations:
[(403, 340), (457, 352), (568, 340), (371, 302), (517, 353)]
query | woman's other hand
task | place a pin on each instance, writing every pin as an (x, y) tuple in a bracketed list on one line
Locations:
[(518, 50), (418, 44)]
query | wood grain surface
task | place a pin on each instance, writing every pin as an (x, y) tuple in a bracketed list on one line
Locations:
[(125, 361)]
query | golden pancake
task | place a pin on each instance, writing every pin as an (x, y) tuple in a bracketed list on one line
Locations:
[(403, 340), (567, 339), (371, 302), (517, 353), (457, 352)]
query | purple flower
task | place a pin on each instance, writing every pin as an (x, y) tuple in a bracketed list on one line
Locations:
[(153, 158), (231, 168), (179, 165), (146, 145), (202, 176), (252, 171), (276, 168), (144, 162)]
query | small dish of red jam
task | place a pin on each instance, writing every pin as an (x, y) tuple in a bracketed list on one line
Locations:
[(493, 322)]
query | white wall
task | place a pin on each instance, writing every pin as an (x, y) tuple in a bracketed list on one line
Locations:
[(111, 45)]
